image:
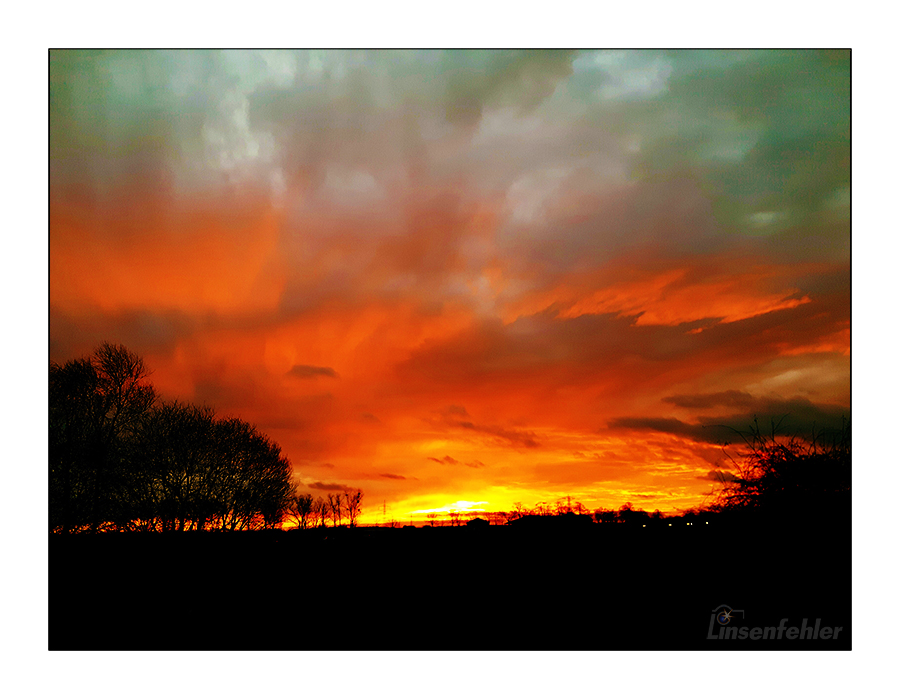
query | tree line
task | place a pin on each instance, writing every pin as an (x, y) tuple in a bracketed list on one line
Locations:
[(123, 460), (306, 513)]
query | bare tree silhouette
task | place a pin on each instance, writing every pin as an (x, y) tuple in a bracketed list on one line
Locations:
[(321, 510), (336, 507), (302, 510), (791, 477), (353, 506)]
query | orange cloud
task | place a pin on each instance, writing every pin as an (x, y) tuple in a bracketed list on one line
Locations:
[(723, 288), (161, 254)]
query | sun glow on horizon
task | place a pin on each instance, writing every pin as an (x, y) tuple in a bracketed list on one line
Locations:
[(458, 506)]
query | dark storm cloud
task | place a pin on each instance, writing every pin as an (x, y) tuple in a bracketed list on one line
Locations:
[(775, 151), (797, 416), (794, 416), (803, 118), (306, 371), (710, 434)]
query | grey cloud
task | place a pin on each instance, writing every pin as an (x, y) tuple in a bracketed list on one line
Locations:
[(752, 144), (719, 476), (797, 416), (621, 76), (786, 112), (306, 371), (794, 416), (318, 485), (454, 410), (392, 476), (674, 215), (449, 460), (711, 434), (522, 79), (763, 130)]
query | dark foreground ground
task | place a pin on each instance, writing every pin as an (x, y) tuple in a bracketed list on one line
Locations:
[(501, 588)]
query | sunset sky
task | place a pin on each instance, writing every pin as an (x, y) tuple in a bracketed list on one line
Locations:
[(465, 279)]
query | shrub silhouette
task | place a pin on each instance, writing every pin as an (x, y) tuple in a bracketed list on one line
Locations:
[(793, 478)]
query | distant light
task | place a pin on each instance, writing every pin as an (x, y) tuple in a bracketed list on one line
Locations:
[(670, 524), (643, 525), (707, 522)]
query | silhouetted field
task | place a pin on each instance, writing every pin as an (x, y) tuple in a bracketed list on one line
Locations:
[(444, 588)]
